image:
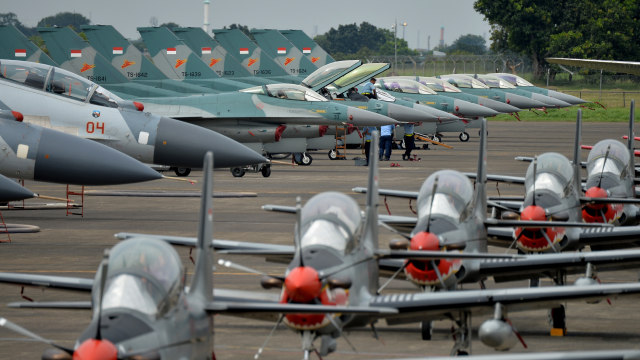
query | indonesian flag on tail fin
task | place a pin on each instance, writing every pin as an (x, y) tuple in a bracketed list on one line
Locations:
[(282, 50), (76, 53), (244, 51), (171, 51), (21, 53), (306, 50), (206, 50), (117, 50)]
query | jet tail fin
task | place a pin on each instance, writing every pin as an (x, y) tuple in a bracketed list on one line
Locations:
[(480, 209), (15, 45), (74, 54), (576, 153), (370, 232), (280, 49), (630, 142), (202, 282), (314, 52)]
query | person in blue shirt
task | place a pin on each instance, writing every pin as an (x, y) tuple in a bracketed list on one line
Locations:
[(368, 130), (369, 89), (409, 141), (386, 135)]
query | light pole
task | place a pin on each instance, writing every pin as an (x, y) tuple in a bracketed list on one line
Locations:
[(404, 26), (394, 27)]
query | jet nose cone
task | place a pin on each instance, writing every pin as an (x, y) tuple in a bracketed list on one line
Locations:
[(12, 191), (406, 114), (68, 159), (359, 117), (497, 105), (434, 113), (524, 102), (469, 109), (566, 97), (182, 144)]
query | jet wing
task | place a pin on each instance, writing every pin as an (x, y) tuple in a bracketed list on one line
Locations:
[(414, 306), (627, 67), (58, 305), (568, 355), (48, 281)]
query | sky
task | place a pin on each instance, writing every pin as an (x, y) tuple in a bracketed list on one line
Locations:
[(424, 18)]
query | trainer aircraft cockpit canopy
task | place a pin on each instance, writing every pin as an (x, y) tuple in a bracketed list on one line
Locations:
[(464, 82), (286, 91), (331, 219), (513, 79), (57, 81), (438, 85), (495, 82), (145, 275), (553, 173), (608, 156), (452, 196), (404, 85)]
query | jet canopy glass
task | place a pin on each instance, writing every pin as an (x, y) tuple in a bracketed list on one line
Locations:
[(331, 219), (464, 81), (495, 82), (356, 76), (452, 195), (404, 85), (286, 91), (513, 79), (328, 72), (438, 85), (57, 81), (145, 275), (554, 172), (608, 156)]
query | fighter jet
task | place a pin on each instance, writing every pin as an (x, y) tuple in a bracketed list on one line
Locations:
[(32, 152), (141, 306), (336, 250), (519, 82), (282, 51), (12, 191), (495, 82), (72, 104)]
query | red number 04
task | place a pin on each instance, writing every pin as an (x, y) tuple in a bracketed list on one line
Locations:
[(92, 127)]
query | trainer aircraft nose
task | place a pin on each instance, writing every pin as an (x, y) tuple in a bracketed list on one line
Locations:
[(182, 144), (406, 114), (359, 117), (12, 191), (572, 100), (469, 109), (68, 159), (497, 105)]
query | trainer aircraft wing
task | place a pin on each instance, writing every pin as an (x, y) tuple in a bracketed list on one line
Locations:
[(500, 178), (48, 281), (627, 67), (438, 305), (592, 236)]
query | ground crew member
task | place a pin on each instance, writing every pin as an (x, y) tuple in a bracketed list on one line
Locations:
[(409, 141), (386, 135), (368, 130), (369, 89)]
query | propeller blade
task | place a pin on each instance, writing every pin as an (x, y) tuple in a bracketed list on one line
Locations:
[(544, 233), (606, 156), (395, 274), (433, 196), (386, 226), (264, 344), (435, 268), (104, 267), (22, 331)]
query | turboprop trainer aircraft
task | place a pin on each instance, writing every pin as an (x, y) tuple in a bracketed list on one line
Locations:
[(141, 306), (336, 250), (77, 106), (32, 152)]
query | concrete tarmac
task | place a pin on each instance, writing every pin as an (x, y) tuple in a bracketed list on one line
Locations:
[(73, 246)]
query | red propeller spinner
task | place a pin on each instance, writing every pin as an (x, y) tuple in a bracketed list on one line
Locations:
[(93, 349), (534, 239), (600, 213), (424, 272), (302, 284)]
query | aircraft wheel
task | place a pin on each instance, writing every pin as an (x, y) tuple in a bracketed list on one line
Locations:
[(426, 327), (464, 136), (181, 171), (306, 159), (266, 170), (237, 172), (437, 138), (333, 154)]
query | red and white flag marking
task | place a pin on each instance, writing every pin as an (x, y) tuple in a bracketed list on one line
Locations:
[(306, 50), (171, 51), (21, 53), (117, 50), (282, 50), (76, 53), (206, 50), (244, 51)]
